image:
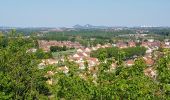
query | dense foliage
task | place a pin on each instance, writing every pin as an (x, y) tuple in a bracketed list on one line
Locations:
[(58, 48), (87, 37), (40, 54), (19, 76), (126, 53)]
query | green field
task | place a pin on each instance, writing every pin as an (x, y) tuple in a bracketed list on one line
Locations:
[(61, 53)]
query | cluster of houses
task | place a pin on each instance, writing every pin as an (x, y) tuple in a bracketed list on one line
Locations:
[(82, 58), (150, 56), (84, 61), (166, 44), (150, 45), (125, 44), (137, 35), (45, 45)]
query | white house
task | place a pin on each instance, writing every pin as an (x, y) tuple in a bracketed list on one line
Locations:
[(79, 50), (87, 50)]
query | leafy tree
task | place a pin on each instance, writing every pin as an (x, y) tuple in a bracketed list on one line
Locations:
[(118, 54), (73, 87), (164, 76), (58, 48), (19, 74), (40, 54)]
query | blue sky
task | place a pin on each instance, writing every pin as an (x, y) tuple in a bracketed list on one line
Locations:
[(59, 13)]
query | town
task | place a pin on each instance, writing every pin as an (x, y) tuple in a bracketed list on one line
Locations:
[(87, 58), (82, 54), (85, 50)]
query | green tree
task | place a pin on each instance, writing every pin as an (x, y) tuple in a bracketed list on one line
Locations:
[(19, 74), (163, 76)]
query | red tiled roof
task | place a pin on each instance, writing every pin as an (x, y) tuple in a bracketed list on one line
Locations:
[(149, 61), (130, 62)]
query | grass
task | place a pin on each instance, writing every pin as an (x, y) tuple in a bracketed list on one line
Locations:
[(62, 53)]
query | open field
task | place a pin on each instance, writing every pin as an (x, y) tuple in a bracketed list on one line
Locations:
[(63, 53)]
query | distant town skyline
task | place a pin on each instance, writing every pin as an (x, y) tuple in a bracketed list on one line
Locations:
[(67, 13)]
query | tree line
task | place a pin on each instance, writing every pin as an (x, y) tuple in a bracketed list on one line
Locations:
[(127, 53)]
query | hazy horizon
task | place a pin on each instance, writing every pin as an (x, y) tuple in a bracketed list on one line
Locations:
[(63, 13)]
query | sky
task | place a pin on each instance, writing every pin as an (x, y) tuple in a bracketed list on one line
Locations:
[(67, 13)]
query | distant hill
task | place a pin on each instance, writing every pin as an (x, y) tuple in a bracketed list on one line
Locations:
[(88, 26)]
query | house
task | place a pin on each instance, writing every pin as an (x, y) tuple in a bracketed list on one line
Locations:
[(87, 50), (166, 44), (129, 63), (148, 61), (149, 50), (131, 44), (98, 46), (52, 61), (32, 50), (102, 46), (112, 67), (81, 65), (63, 69), (70, 58), (93, 70), (78, 59), (86, 54), (49, 81), (41, 65), (114, 45), (108, 45), (92, 61), (121, 45), (76, 55), (150, 72), (148, 55), (144, 44), (80, 50), (45, 62), (80, 54), (49, 73), (151, 40), (94, 48)]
